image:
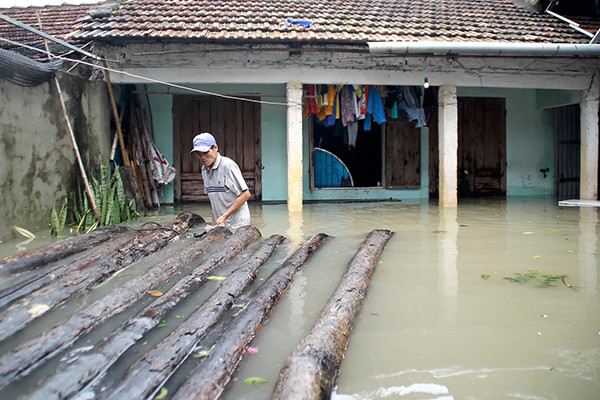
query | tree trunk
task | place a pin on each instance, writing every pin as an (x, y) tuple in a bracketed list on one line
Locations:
[(88, 367), (156, 366), (22, 286), (33, 259), (208, 379), (29, 355), (310, 371), (17, 316)]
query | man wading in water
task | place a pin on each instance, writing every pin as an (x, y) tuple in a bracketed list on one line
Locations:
[(223, 182)]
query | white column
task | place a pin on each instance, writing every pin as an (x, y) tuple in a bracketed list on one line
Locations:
[(448, 145), (294, 146), (588, 184)]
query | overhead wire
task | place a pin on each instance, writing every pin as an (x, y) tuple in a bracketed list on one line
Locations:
[(157, 81)]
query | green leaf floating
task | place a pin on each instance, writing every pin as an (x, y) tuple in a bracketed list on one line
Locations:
[(163, 393), (255, 380), (485, 276)]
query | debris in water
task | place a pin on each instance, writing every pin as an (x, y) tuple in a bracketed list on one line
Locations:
[(255, 380)]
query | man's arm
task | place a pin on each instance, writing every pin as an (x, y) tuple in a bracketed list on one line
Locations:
[(239, 201)]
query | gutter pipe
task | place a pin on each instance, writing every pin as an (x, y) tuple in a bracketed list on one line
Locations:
[(485, 49)]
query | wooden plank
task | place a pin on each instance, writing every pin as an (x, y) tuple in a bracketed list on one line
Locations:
[(70, 380), (310, 371), (29, 355), (152, 370), (209, 378)]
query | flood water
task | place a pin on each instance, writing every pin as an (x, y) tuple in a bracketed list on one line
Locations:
[(440, 321)]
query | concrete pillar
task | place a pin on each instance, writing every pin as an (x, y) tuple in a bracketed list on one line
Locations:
[(294, 146), (588, 185), (448, 145)]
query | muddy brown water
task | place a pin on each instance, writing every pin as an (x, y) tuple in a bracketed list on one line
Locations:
[(440, 321)]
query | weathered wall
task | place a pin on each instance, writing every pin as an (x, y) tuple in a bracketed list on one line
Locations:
[(38, 163)]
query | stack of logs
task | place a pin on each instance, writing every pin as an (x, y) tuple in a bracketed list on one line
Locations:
[(39, 281), (134, 127)]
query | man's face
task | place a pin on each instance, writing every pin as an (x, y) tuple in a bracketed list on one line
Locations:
[(207, 159)]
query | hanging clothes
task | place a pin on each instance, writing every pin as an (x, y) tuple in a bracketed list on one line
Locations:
[(310, 101), (352, 134), (364, 100), (348, 109), (411, 104), (328, 101), (375, 106)]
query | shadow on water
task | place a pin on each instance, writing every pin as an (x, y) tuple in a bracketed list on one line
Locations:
[(440, 321)]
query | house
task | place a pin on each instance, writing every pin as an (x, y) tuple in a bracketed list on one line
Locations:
[(511, 90), (498, 106)]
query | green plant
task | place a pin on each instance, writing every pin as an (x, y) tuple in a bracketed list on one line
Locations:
[(537, 277), (109, 197), (58, 220)]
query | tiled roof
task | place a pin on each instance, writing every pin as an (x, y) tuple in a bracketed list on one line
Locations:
[(341, 21), (56, 21)]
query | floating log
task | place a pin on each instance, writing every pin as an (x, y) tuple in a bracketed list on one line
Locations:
[(18, 315), (33, 259), (23, 359), (88, 367), (22, 286), (209, 378), (310, 371), (156, 366)]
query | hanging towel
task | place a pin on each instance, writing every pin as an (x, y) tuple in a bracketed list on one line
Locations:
[(348, 114)]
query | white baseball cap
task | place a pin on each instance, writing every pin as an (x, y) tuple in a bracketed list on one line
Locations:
[(203, 142)]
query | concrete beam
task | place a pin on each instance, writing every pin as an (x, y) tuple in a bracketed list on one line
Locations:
[(588, 189), (294, 146), (448, 145)]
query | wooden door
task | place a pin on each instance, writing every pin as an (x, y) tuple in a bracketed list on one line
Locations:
[(402, 154), (567, 127), (235, 124), (481, 146)]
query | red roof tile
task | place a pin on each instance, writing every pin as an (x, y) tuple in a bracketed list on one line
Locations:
[(56, 21), (355, 21)]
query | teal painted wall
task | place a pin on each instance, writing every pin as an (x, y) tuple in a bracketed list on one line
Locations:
[(529, 141)]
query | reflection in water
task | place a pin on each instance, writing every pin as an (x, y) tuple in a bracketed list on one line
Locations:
[(448, 256), (588, 248), (297, 290)]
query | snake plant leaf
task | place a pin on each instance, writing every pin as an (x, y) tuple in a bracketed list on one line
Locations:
[(24, 232)]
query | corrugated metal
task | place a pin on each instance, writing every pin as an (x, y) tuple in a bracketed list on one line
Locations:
[(568, 148)]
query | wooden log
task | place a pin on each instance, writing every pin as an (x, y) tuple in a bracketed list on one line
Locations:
[(89, 367), (155, 367), (310, 371), (209, 378), (36, 258), (29, 355), (22, 286), (18, 315)]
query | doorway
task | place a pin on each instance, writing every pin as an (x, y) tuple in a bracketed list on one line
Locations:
[(235, 124), (481, 146)]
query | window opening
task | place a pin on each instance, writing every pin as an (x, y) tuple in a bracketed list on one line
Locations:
[(364, 136)]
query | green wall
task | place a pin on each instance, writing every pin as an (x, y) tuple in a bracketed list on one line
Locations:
[(529, 141)]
